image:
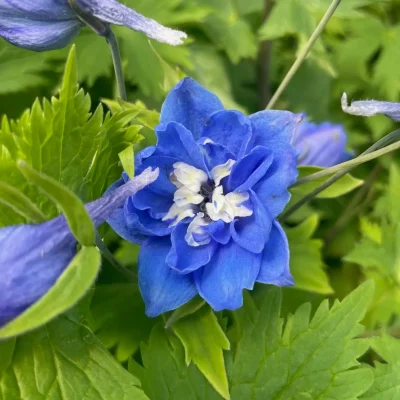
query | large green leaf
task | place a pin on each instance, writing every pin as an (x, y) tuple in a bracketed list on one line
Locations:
[(306, 264), (309, 359), (204, 342), (63, 361), (165, 375), (73, 283)]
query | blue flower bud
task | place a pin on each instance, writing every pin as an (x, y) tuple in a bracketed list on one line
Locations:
[(42, 25), (32, 257), (369, 108), (322, 145)]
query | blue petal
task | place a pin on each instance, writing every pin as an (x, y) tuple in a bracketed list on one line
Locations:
[(39, 10), (229, 128), (275, 259), (322, 145), (272, 188), (214, 153), (116, 13), (184, 258), (369, 108), (38, 35), (219, 231), (252, 232), (175, 141), (162, 288), (191, 105), (221, 282), (274, 126), (32, 257), (250, 169)]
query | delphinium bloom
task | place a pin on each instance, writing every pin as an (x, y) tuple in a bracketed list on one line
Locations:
[(32, 257), (42, 25), (321, 145), (208, 224), (369, 108)]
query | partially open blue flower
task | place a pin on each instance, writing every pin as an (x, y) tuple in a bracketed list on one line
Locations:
[(369, 108), (42, 25), (208, 223), (321, 145), (32, 257)]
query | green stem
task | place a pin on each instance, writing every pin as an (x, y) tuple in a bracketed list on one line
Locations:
[(303, 54), (113, 261), (386, 141), (116, 56)]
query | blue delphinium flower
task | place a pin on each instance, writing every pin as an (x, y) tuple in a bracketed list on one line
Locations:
[(208, 223), (369, 108), (321, 145), (42, 25), (32, 257)]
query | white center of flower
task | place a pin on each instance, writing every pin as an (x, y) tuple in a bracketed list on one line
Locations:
[(204, 199)]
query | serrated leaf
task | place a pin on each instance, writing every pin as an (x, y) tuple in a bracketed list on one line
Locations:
[(339, 188), (204, 342), (386, 384), (119, 320), (63, 361), (21, 204), (71, 286), (314, 358), (306, 264), (165, 375), (74, 210)]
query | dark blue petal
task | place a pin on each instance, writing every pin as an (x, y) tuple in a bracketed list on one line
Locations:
[(272, 189), (38, 35), (252, 232), (219, 231), (231, 269), (229, 128), (143, 154), (369, 108), (275, 259), (32, 257), (184, 258), (175, 141), (250, 169), (116, 13), (162, 288), (214, 153), (322, 145), (273, 126), (191, 105)]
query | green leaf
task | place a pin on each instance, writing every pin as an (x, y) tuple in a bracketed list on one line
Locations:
[(306, 264), (74, 210), (72, 285), (127, 158), (310, 359), (119, 320), (63, 361), (204, 342), (339, 188), (165, 375), (21, 204), (386, 384), (183, 311)]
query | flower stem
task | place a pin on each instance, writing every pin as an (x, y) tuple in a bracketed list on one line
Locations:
[(303, 54), (116, 56), (386, 143)]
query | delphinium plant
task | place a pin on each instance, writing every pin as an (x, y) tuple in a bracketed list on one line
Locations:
[(185, 225)]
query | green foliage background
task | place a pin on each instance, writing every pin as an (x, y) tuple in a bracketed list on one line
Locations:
[(333, 336)]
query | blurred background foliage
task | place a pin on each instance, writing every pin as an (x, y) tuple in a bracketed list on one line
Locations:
[(241, 50)]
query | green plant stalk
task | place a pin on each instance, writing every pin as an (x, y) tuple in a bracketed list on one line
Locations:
[(303, 54), (116, 56), (386, 143)]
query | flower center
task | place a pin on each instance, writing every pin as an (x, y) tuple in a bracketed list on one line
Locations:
[(203, 199)]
